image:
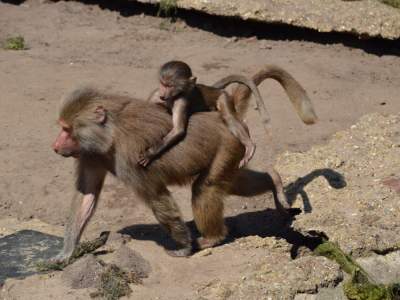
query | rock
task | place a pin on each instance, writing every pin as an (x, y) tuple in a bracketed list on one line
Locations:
[(368, 18), (393, 183), (202, 253), (84, 273), (305, 297), (269, 243), (280, 280), (383, 269), (331, 293), (361, 213), (131, 261), (275, 275), (115, 241), (265, 45)]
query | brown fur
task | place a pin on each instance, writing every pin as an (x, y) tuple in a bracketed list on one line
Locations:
[(210, 160), (300, 100), (297, 95), (130, 126), (182, 96)]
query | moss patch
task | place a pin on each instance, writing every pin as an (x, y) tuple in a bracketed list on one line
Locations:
[(394, 3), (44, 266), (82, 249), (114, 283), (89, 247), (360, 286), (333, 252), (167, 8), (368, 291), (15, 43)]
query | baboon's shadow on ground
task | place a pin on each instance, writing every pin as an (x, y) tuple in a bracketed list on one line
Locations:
[(265, 223)]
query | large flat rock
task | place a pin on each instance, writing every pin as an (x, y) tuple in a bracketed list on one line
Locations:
[(365, 18), (21, 250), (362, 215)]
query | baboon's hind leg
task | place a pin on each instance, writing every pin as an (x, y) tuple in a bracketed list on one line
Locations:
[(208, 192), (208, 212)]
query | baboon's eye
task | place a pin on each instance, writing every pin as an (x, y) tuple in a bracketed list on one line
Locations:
[(67, 129), (167, 85)]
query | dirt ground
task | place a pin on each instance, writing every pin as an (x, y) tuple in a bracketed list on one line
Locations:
[(71, 43)]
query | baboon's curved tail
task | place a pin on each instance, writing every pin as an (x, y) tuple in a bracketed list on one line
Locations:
[(293, 89), (249, 83)]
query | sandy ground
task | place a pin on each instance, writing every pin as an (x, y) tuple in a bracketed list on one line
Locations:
[(71, 43)]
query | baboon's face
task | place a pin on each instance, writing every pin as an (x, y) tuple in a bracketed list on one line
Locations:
[(66, 144), (169, 89)]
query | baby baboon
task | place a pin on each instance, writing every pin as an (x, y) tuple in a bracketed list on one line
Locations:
[(182, 96)]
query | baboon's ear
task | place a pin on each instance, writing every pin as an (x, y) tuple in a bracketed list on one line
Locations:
[(100, 114), (193, 79)]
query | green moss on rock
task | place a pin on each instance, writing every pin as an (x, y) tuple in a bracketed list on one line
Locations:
[(360, 286)]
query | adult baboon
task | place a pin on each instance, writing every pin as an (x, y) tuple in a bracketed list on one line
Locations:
[(107, 133)]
